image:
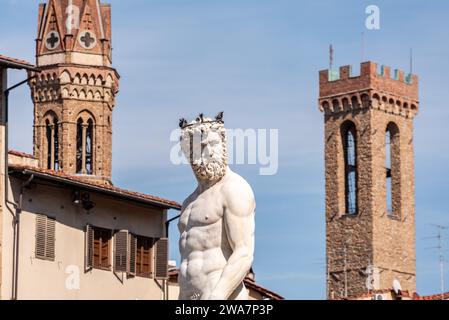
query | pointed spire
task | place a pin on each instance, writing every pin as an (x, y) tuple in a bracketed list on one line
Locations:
[(81, 26)]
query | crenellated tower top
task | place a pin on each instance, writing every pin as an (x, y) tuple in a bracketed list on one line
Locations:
[(375, 87)]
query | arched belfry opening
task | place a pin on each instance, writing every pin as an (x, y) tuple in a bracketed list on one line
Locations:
[(393, 172), (349, 136), (51, 143), (85, 127)]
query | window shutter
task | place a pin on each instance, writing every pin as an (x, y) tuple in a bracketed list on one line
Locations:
[(50, 239), (161, 263), (89, 250), (45, 237), (41, 230), (132, 255), (121, 251)]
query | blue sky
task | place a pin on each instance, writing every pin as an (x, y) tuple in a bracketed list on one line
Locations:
[(258, 60)]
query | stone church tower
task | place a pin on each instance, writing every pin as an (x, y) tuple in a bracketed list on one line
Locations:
[(74, 96), (370, 204)]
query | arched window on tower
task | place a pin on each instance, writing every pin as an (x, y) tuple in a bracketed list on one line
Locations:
[(84, 146), (89, 144), (52, 142), (392, 166), (349, 135), (79, 146), (56, 145)]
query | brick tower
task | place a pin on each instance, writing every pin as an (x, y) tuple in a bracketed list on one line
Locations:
[(74, 96), (370, 205)]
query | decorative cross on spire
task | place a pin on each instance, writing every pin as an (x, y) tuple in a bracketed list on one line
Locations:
[(52, 40), (87, 39)]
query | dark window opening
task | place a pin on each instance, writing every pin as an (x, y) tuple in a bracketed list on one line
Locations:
[(144, 257), (350, 155), (85, 147), (52, 144), (79, 146), (102, 248), (56, 145), (392, 168), (388, 172), (89, 143), (48, 133)]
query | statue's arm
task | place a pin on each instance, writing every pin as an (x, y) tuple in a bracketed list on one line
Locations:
[(239, 222), (181, 227)]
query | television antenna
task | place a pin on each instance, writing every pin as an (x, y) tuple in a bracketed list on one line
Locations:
[(440, 229)]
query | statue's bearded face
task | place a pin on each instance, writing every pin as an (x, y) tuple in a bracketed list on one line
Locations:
[(204, 145)]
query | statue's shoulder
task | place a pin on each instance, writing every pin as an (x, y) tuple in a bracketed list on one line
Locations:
[(238, 192), (235, 183)]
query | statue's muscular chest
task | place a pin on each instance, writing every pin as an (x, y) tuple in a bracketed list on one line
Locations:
[(206, 209)]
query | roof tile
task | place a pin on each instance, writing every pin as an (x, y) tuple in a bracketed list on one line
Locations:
[(88, 182), (17, 61)]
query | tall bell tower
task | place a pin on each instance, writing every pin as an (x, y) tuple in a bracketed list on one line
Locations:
[(74, 95), (369, 168)]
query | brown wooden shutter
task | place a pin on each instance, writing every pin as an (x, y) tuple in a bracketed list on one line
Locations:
[(50, 239), (45, 237), (121, 251), (41, 230), (132, 255), (89, 250), (161, 256)]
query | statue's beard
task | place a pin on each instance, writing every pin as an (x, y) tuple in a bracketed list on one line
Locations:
[(210, 169)]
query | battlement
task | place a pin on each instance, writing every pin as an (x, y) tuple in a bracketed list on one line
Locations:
[(375, 85), (371, 76)]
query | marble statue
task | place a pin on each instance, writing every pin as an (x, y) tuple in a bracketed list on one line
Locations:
[(217, 220)]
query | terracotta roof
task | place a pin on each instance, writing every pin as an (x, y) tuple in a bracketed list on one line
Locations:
[(265, 292), (96, 186), (444, 296), (173, 277), (404, 294), (21, 154), (15, 63)]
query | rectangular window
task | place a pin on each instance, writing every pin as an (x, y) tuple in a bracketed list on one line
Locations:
[(136, 255), (98, 248), (45, 237), (144, 256)]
